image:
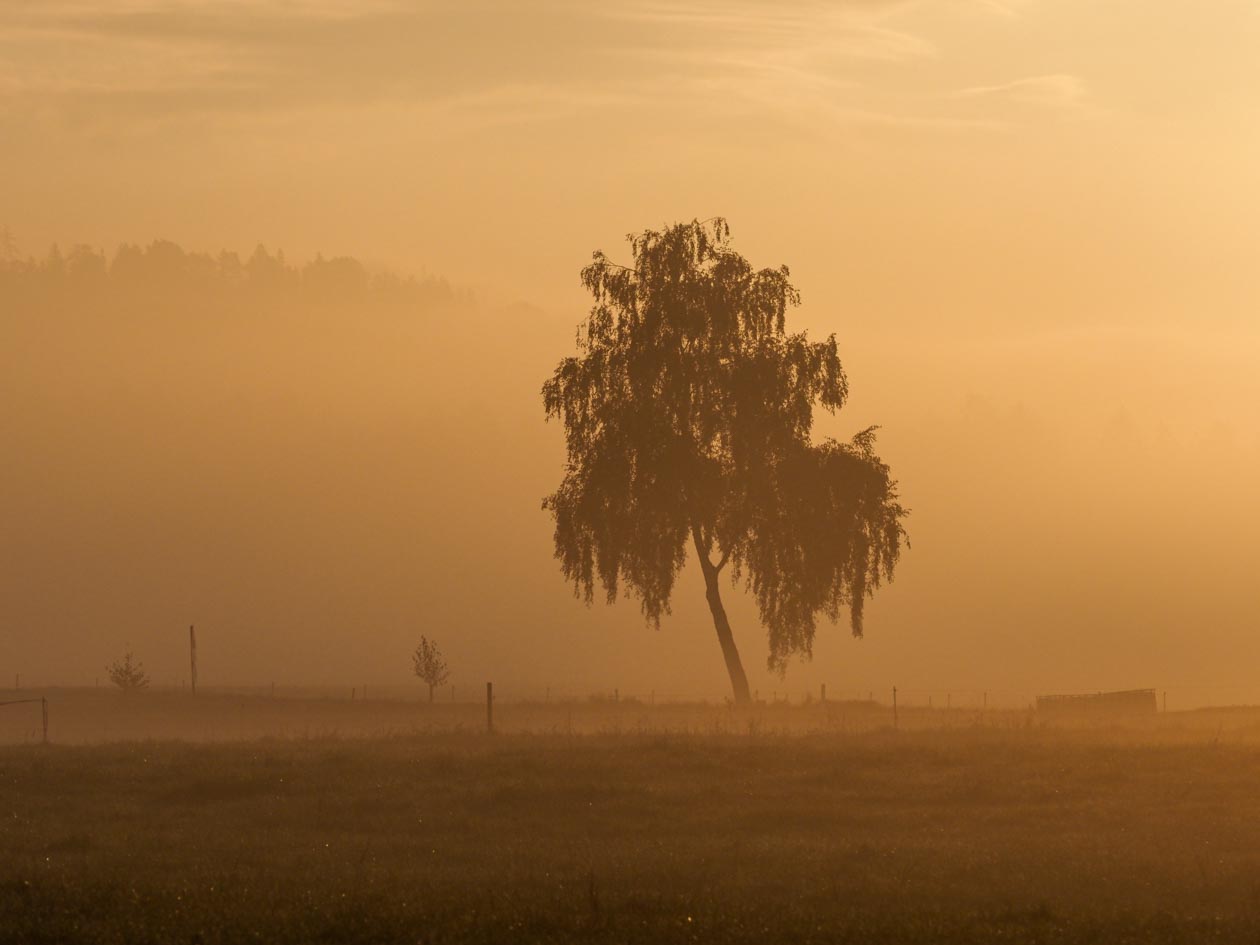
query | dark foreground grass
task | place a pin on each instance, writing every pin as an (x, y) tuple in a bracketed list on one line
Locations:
[(959, 837)]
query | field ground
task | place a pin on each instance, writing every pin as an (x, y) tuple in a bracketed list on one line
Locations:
[(1008, 832)]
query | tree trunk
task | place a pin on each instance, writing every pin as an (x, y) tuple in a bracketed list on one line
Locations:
[(734, 668)]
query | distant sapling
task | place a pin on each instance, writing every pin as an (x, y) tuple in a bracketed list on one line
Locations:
[(128, 673), (429, 665)]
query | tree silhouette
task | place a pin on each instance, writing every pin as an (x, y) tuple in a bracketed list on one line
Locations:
[(428, 664), (687, 416), (128, 673)]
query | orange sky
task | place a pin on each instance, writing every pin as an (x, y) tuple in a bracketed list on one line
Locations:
[(1031, 224), (1002, 160)]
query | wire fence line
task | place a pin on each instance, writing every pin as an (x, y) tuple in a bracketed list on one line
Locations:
[(85, 715), (1179, 697), (533, 693)]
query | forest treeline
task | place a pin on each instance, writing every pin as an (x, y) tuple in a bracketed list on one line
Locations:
[(164, 271)]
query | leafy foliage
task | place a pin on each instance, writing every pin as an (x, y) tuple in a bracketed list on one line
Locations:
[(128, 673), (687, 414), (429, 665)]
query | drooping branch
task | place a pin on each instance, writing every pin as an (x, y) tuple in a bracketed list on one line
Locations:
[(726, 556)]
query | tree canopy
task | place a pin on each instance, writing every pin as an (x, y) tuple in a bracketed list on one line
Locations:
[(687, 416)]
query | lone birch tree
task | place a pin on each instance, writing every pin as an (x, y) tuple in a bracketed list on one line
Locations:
[(687, 415)]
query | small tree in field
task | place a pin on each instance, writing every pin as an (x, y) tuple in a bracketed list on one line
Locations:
[(429, 665), (128, 673)]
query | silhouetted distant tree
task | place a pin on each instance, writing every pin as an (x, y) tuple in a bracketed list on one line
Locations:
[(687, 417), (340, 278), (128, 673), (429, 665), (87, 268)]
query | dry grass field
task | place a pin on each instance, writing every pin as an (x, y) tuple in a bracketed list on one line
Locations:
[(776, 827)]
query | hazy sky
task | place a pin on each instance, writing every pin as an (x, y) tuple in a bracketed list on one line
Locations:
[(1013, 160), (1031, 222)]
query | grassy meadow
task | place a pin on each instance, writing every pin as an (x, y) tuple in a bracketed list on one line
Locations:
[(1007, 832)]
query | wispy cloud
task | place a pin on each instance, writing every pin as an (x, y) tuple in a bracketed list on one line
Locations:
[(1050, 91), (1054, 97), (1004, 8), (841, 62), (852, 30)]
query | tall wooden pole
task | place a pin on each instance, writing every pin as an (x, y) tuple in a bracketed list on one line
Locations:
[(192, 657), (489, 708), (894, 708)]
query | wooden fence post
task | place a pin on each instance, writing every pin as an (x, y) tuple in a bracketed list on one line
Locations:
[(489, 708), (44, 706), (822, 695), (894, 708), (192, 657)]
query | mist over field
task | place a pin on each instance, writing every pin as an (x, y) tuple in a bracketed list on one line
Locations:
[(318, 462)]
